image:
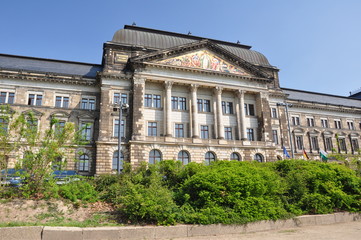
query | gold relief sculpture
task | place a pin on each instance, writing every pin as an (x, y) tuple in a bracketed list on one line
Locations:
[(204, 60)]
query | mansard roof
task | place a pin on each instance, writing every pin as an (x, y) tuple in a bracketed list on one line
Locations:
[(158, 40), (322, 98), (13, 62)]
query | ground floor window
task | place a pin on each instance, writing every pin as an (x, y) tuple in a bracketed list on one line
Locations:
[(83, 163), (235, 156), (115, 162), (210, 157), (183, 156), (258, 157), (154, 156)]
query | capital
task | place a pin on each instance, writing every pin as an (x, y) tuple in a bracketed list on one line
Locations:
[(240, 93), (168, 84), (194, 87)]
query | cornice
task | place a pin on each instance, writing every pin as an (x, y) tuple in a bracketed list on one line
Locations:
[(326, 106), (47, 77), (203, 71), (113, 76)]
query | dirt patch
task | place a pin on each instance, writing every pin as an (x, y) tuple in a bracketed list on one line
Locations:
[(41, 211)]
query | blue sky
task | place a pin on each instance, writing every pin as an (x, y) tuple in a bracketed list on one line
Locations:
[(316, 44)]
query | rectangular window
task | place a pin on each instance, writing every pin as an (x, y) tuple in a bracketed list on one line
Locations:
[(350, 125), (182, 103), (32, 124), (35, 99), (310, 122), (116, 98), (299, 142), (7, 97), (250, 134), (227, 107), (59, 127), (295, 120), (124, 98), (4, 125), (88, 103), (355, 145), (275, 136), (274, 113), (228, 133), (116, 128), (249, 109), (324, 123), (338, 124), (204, 105), (179, 130), (61, 102), (148, 100), (156, 101), (314, 143), (152, 129), (204, 132), (328, 143), (175, 103), (342, 143), (86, 131)]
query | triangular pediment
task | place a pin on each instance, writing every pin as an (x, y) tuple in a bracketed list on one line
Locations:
[(206, 60), (203, 55)]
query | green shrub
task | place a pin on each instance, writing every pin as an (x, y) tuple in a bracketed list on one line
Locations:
[(79, 190)]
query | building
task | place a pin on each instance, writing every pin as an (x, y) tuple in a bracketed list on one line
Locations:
[(190, 99)]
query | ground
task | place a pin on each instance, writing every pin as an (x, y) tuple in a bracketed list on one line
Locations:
[(53, 212)]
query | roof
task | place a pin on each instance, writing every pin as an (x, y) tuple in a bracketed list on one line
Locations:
[(49, 65), (299, 95), (156, 39)]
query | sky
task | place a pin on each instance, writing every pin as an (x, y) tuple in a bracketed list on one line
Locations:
[(316, 44)]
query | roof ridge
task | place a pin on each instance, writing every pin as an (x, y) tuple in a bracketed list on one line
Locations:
[(318, 93)]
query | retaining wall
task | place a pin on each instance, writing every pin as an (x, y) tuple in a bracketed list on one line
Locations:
[(160, 232)]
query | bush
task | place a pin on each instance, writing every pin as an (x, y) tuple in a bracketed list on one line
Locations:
[(79, 190)]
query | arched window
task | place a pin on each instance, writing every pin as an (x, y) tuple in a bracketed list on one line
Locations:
[(235, 156), (154, 156), (258, 157), (209, 157), (83, 163), (183, 156), (115, 161)]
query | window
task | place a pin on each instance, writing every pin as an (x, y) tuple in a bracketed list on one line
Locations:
[(35, 99), (179, 103), (116, 128), (342, 144), (328, 143), (274, 113), (338, 124), (59, 127), (32, 124), (179, 130), (295, 120), (228, 133), (310, 122), (249, 109), (88, 103), (156, 101), (227, 107), (86, 131), (204, 132), (250, 134), (61, 102), (7, 97), (258, 157), (275, 136), (314, 143), (152, 129), (350, 125), (324, 123), (299, 142), (123, 97), (204, 105), (209, 157), (4, 125), (152, 100), (354, 143), (154, 156), (115, 162), (183, 156), (83, 165), (235, 156)]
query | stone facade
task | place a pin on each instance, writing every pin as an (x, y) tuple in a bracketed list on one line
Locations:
[(186, 99)]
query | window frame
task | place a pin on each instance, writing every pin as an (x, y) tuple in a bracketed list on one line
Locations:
[(152, 129)]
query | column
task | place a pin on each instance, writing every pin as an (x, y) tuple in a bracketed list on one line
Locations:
[(195, 132), (138, 109), (219, 114), (242, 115), (168, 108), (238, 115)]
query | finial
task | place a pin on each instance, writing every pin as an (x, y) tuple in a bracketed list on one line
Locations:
[(134, 24), (189, 33), (238, 42)]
